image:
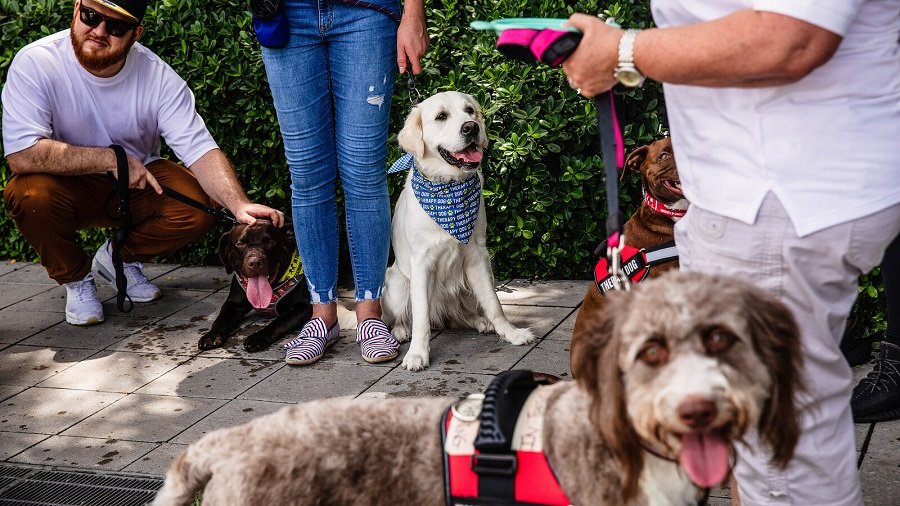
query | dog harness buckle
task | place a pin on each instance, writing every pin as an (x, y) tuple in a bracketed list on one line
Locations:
[(614, 259), (494, 463)]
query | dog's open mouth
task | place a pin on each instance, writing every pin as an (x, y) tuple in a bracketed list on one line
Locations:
[(705, 457), (673, 186), (467, 159)]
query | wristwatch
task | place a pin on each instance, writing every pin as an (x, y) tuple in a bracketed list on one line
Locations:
[(626, 73)]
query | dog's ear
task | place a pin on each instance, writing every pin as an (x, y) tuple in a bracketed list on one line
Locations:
[(776, 339), (225, 251), (410, 136), (595, 365), (636, 159)]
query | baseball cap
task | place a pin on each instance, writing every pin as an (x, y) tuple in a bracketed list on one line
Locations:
[(133, 9)]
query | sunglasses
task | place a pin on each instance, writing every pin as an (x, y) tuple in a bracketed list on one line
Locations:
[(114, 27)]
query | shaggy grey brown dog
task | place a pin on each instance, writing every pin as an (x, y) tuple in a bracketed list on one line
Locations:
[(671, 376)]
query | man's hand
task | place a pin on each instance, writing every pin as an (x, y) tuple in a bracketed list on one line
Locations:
[(412, 39), (138, 176), (249, 212), (590, 68)]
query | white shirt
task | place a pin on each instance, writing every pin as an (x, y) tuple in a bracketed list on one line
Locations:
[(828, 146), (48, 94)]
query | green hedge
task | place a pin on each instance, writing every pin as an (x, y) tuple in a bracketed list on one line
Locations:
[(544, 184)]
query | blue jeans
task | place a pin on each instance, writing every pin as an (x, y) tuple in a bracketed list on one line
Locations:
[(332, 87)]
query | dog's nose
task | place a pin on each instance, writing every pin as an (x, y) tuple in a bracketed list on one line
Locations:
[(254, 263), (696, 412), (469, 129)]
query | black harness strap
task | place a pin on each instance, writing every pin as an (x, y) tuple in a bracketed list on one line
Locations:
[(121, 233), (495, 463)]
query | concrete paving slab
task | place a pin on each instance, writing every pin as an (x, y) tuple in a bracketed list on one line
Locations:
[(234, 413), (430, 382), (51, 410), (84, 452), (474, 353), (170, 337), (563, 332), (880, 471), (33, 274), (13, 443), (156, 462), (145, 418), (205, 309), (194, 278), (29, 365), (7, 391), (541, 320), (114, 371), (154, 270), (52, 299), (10, 294), (549, 356), (172, 301), (94, 337), (19, 325), (6, 267), (325, 378), (217, 378), (543, 293)]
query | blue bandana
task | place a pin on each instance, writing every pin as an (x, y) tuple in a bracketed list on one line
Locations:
[(452, 205)]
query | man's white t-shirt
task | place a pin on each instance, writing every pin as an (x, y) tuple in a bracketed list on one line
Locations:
[(828, 146), (49, 95)]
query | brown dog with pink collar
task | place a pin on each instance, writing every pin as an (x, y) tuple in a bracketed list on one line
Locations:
[(652, 226)]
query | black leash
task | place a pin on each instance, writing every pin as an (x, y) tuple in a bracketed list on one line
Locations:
[(613, 160), (219, 214), (121, 233)]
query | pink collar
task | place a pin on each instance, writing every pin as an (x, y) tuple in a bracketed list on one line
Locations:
[(661, 208)]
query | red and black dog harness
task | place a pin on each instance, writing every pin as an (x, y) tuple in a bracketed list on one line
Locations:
[(495, 456)]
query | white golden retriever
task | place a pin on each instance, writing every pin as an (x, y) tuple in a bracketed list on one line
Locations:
[(438, 279)]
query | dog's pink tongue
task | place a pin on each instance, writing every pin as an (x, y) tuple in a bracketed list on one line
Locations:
[(259, 291), (471, 154), (704, 458)]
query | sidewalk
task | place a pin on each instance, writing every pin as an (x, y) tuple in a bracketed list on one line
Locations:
[(118, 401)]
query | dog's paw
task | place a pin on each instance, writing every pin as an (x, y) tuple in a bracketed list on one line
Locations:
[(401, 334), (519, 336), (483, 325), (255, 343), (211, 341), (415, 361)]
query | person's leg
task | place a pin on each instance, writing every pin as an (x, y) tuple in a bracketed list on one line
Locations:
[(877, 396), (816, 276), (162, 225), (299, 78), (362, 57), (890, 275), (50, 209)]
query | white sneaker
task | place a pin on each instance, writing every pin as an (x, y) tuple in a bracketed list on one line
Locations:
[(140, 289), (82, 305)]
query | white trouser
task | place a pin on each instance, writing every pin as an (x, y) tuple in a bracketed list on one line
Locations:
[(817, 277)]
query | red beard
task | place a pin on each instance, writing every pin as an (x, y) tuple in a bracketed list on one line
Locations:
[(95, 59)]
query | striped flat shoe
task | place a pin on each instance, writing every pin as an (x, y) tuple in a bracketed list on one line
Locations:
[(376, 341), (311, 343)]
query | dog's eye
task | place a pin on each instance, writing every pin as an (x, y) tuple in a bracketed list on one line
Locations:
[(441, 116), (240, 244), (469, 109), (653, 353), (719, 340), (665, 155)]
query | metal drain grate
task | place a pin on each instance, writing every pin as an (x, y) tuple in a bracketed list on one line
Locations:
[(40, 487)]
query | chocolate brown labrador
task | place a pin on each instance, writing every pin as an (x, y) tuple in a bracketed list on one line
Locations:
[(654, 221), (267, 278)]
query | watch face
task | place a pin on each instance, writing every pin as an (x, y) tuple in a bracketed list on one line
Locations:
[(629, 77)]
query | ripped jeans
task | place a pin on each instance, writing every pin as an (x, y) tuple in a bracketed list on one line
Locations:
[(332, 87)]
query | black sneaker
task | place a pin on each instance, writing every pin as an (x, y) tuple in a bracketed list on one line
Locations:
[(877, 396)]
